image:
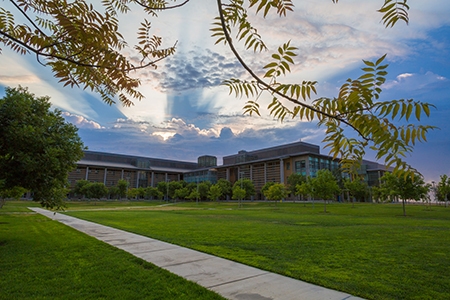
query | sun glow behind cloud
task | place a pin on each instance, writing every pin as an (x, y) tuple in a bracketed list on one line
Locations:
[(165, 135)]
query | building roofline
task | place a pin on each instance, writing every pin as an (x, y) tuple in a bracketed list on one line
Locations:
[(274, 148), (137, 156), (106, 164), (277, 158)]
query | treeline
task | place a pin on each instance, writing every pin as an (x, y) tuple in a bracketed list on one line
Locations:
[(173, 190), (324, 186)]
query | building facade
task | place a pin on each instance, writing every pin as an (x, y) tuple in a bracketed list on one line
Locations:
[(273, 164), (139, 171)]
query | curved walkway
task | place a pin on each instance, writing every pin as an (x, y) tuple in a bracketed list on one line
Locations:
[(230, 279)]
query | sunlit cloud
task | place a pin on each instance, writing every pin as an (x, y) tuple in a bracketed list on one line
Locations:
[(18, 80), (80, 121), (415, 81)]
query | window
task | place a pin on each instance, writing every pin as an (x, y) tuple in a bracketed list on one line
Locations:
[(313, 166), (324, 164), (300, 167), (288, 166)]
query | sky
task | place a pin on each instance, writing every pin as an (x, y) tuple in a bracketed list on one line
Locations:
[(187, 112)]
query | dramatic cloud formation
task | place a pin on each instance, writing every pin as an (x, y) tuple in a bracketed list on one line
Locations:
[(188, 113), (196, 69)]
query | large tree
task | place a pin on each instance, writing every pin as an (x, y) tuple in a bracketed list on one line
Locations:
[(37, 147), (81, 43)]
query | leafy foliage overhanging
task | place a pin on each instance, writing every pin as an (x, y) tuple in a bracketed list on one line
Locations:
[(84, 48)]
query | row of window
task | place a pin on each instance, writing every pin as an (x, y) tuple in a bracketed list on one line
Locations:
[(315, 164)]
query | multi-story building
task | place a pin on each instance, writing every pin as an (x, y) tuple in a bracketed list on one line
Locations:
[(272, 164), (138, 171)]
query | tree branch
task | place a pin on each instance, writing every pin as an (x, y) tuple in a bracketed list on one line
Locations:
[(39, 53), (267, 86), (164, 8), (28, 18)]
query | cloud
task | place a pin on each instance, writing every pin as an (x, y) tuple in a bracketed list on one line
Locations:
[(226, 133), (18, 80), (416, 82), (194, 69), (80, 121), (177, 139), (405, 75)]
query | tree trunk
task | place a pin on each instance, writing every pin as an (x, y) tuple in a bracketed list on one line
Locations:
[(404, 208)]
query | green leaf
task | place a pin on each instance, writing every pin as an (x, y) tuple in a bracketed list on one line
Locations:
[(418, 111), (380, 60), (409, 111)]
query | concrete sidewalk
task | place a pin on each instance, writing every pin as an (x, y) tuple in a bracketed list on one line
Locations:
[(230, 279)]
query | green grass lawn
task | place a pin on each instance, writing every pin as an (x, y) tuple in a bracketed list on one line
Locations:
[(370, 250), (43, 259)]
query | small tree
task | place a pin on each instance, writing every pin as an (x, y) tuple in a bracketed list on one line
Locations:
[(122, 185), (293, 180), (132, 193), (162, 188), (276, 192), (80, 188), (325, 186), (226, 187), (173, 186), (357, 188), (215, 192), (443, 189), (247, 185), (405, 188), (113, 192), (194, 195), (95, 190), (265, 189), (141, 192), (181, 193), (203, 189), (304, 189), (153, 192), (238, 193)]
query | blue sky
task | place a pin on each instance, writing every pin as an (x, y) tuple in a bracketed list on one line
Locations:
[(188, 113)]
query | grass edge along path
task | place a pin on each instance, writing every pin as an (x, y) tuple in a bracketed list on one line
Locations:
[(369, 251), (44, 259)]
